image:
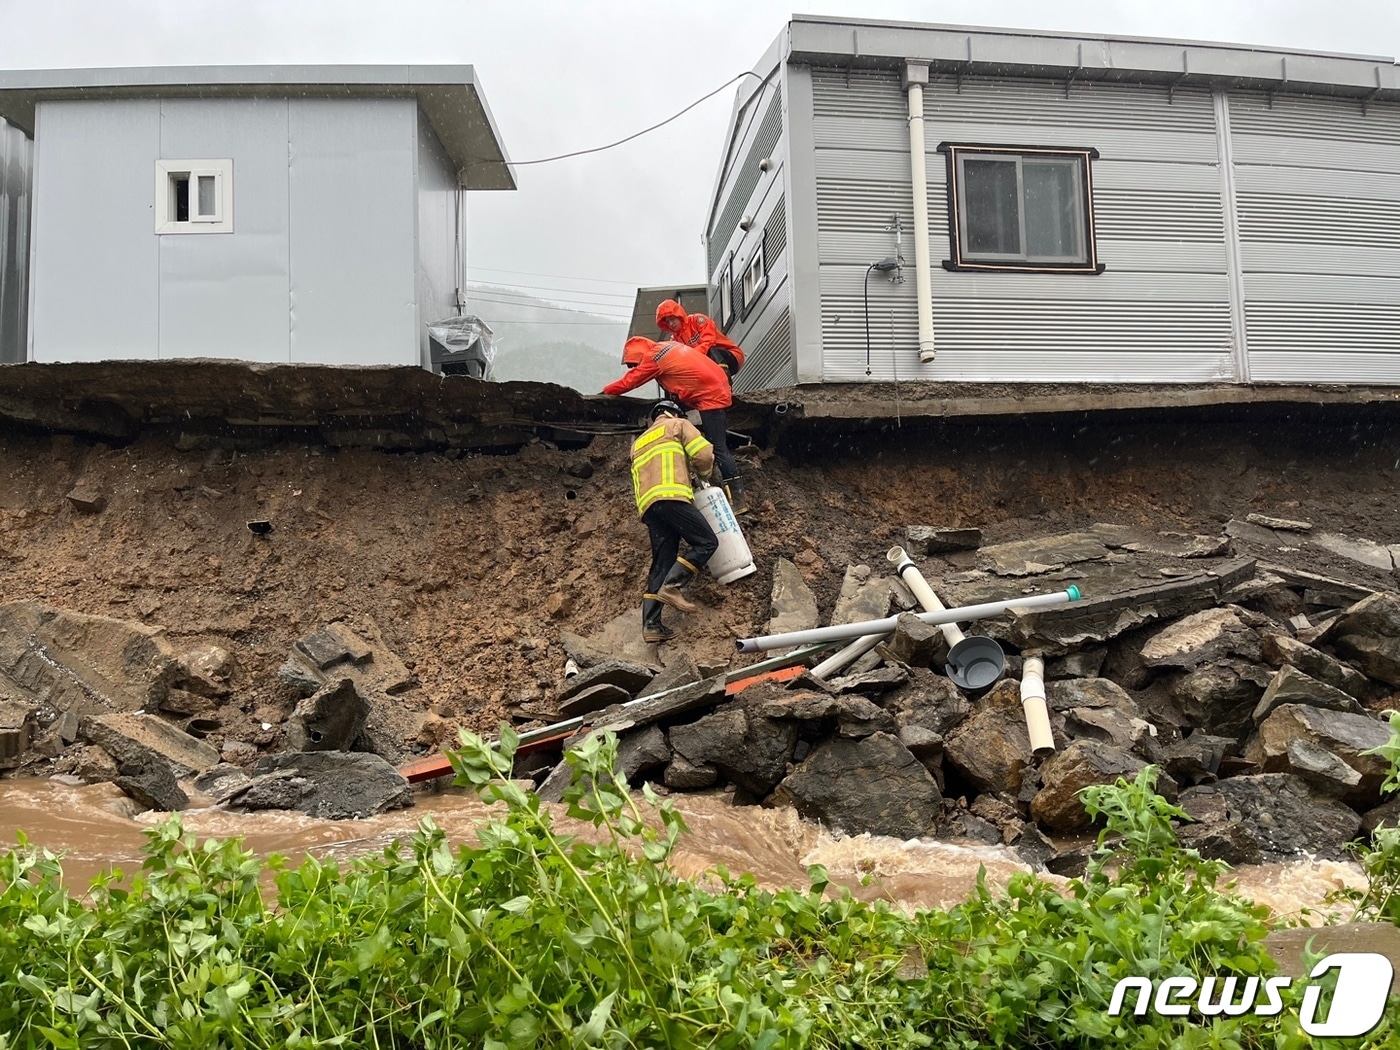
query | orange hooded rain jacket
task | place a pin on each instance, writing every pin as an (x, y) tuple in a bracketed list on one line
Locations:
[(692, 377), (698, 331)]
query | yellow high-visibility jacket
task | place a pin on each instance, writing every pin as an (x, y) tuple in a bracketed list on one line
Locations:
[(662, 459)]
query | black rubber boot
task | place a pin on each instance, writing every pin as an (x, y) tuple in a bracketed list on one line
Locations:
[(681, 573), (653, 630), (734, 489)]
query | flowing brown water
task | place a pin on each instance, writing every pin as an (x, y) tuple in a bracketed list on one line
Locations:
[(97, 827)]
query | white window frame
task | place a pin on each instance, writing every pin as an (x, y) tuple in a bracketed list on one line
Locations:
[(959, 154), (755, 278), (725, 287), (170, 172)]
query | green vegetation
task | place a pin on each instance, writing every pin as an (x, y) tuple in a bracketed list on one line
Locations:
[(534, 939)]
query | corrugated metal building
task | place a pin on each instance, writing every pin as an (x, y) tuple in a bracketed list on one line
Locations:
[(1098, 209), (16, 167), (263, 213)]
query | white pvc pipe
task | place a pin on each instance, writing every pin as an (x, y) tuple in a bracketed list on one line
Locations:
[(923, 288), (844, 631), (1033, 704), (923, 593), (848, 655)]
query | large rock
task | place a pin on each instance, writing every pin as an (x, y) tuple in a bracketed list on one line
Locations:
[(1275, 814), (873, 682), (1280, 650), (140, 740), (930, 701), (992, 746), (16, 732), (334, 785), (821, 713), (151, 782), (90, 665), (1196, 759), (1109, 725), (1084, 763), (684, 775), (594, 698), (639, 750), (1220, 697), (337, 651), (863, 596), (1368, 635), (940, 539), (1292, 686), (916, 643), (793, 606), (1304, 740), (331, 719), (1200, 638), (872, 785), (745, 747), (1070, 693)]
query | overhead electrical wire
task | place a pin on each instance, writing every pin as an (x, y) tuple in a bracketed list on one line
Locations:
[(541, 301), (638, 134), (542, 306), (527, 289), (565, 276)]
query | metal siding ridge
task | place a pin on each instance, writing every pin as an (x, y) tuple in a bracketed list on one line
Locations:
[(1234, 267), (1320, 366), (1030, 366)]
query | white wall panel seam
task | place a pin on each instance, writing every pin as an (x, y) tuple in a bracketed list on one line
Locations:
[(1230, 210)]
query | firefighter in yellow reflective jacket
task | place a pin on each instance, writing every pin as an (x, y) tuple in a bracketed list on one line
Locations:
[(663, 460)]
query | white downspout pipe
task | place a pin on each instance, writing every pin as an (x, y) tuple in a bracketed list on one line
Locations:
[(1033, 703), (915, 77)]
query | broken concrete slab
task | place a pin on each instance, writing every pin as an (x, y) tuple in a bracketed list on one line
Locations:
[(1361, 551), (1285, 524), (1043, 554), (1367, 635), (91, 665), (680, 670), (620, 638), (703, 694), (793, 606), (864, 596), (1292, 686), (334, 785), (873, 785), (1181, 545), (940, 539), (1098, 619), (1280, 650), (594, 698), (331, 719), (141, 739), (629, 677), (1351, 589), (17, 728)]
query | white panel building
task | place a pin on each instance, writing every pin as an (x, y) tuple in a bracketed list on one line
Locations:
[(1092, 209), (262, 213)]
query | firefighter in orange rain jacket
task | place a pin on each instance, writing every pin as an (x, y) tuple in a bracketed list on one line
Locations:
[(701, 333), (698, 383)]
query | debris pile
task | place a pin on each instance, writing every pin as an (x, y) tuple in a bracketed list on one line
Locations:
[(1258, 689)]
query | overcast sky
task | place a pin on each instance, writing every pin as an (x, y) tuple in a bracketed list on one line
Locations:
[(568, 74)]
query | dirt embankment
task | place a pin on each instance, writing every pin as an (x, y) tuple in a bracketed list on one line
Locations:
[(471, 566)]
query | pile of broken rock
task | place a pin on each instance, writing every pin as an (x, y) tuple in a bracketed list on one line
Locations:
[(1255, 685)]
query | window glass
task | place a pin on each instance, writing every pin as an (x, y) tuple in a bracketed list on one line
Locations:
[(1053, 226), (993, 207), (207, 189)]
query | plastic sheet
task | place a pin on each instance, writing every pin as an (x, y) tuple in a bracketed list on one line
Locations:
[(462, 346)]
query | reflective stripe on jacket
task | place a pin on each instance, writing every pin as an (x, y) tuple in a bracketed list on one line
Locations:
[(684, 373), (662, 459)]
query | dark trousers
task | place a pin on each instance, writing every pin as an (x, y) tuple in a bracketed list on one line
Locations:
[(669, 521), (714, 424)]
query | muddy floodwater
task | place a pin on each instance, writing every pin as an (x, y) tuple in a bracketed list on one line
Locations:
[(97, 827)]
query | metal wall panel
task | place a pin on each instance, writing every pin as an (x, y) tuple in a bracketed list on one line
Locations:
[(438, 192), (225, 294), (16, 182), (760, 139), (770, 363), (1161, 311), (95, 265), (1294, 366), (352, 233)]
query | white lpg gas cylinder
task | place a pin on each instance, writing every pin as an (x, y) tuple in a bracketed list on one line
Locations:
[(732, 561)]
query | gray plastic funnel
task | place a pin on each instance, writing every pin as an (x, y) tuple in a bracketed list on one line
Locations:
[(975, 663)]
